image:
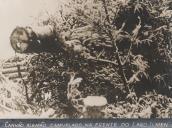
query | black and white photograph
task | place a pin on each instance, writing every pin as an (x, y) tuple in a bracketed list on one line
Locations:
[(85, 59)]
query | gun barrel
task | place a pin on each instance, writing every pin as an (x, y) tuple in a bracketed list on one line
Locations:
[(35, 39)]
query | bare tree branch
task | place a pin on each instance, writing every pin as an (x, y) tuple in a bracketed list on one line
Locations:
[(124, 79)]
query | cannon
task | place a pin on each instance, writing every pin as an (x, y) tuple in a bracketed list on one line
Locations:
[(46, 39)]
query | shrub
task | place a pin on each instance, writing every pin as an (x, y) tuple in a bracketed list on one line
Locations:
[(126, 50)]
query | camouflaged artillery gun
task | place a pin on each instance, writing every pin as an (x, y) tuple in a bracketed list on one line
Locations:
[(36, 40), (45, 39)]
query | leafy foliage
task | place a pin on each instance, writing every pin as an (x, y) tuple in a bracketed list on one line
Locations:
[(127, 51)]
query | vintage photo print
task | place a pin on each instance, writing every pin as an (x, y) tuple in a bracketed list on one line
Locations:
[(77, 59)]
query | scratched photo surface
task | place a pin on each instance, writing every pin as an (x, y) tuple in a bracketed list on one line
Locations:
[(68, 59)]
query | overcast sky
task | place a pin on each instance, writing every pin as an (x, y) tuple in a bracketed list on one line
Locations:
[(21, 13)]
